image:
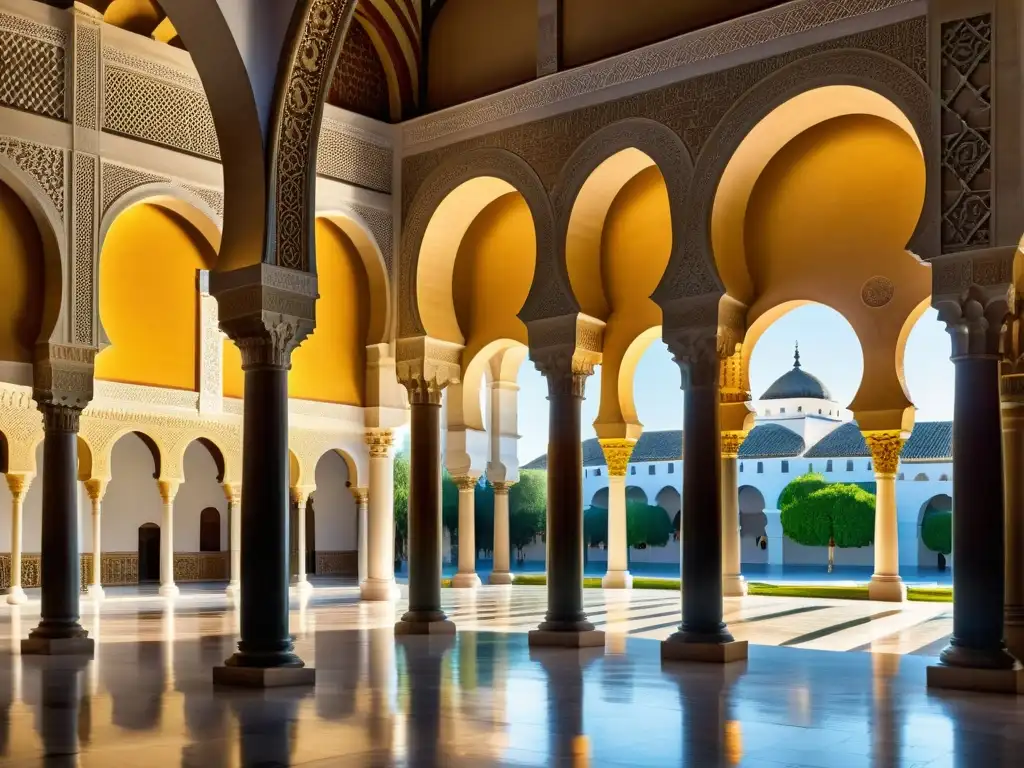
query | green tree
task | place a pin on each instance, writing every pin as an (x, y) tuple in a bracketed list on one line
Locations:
[(937, 530), (800, 488), (483, 516), (647, 526), (401, 476), (527, 509), (595, 526), (840, 513), (450, 506)]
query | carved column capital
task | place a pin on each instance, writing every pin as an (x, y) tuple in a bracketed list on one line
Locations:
[(60, 418), (702, 333), (885, 446), (466, 483), (565, 350), (168, 490), (63, 376), (96, 490), (502, 488), (616, 454), (267, 311), (425, 366), (731, 442), (18, 484), (975, 298), (361, 495), (301, 493), (380, 442), (233, 492)]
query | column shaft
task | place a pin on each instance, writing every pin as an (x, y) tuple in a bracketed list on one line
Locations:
[(424, 516), (60, 566), (501, 572), (265, 637), (168, 490), (234, 495), (362, 535), (301, 498), (733, 583), (18, 485), (978, 538), (886, 584), (380, 552), (565, 510), (96, 490), (1013, 480), (618, 576), (467, 576)]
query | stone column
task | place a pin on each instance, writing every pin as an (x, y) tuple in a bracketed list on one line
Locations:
[(501, 572), (886, 584), (60, 568), (565, 623), (616, 456), (733, 583), (96, 489), (18, 484), (466, 577), (380, 533), (361, 496), (251, 303), (424, 615), (702, 636), (233, 492), (168, 490), (300, 495), (1012, 393), (976, 656)]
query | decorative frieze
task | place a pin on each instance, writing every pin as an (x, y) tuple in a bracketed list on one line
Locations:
[(85, 246), (32, 66), (356, 157), (44, 164)]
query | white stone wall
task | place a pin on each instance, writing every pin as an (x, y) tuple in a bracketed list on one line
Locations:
[(201, 489), (334, 506), (132, 497)]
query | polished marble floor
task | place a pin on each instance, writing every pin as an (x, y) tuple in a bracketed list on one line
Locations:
[(484, 698)]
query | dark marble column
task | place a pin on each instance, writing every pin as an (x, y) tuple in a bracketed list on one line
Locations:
[(60, 569), (702, 634), (424, 615)]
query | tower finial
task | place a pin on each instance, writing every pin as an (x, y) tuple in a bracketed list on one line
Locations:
[(796, 356)]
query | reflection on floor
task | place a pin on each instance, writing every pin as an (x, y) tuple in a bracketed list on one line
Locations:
[(484, 698)]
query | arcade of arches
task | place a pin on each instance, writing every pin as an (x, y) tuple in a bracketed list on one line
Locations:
[(204, 366)]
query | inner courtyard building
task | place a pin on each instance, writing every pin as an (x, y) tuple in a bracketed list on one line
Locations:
[(270, 274)]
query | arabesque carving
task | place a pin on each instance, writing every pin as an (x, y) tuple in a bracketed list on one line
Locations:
[(616, 455), (885, 447)]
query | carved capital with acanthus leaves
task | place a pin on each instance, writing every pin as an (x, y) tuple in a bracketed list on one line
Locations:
[(975, 298), (380, 442), (63, 378), (565, 350), (731, 442), (267, 311), (704, 333), (885, 446), (616, 455), (466, 483), (425, 366)]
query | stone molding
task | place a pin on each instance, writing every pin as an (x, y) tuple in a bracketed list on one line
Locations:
[(885, 447), (675, 54), (616, 455)]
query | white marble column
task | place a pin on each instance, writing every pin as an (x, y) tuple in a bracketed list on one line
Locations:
[(362, 496), (168, 490), (501, 572), (380, 560), (616, 455), (886, 583), (96, 489), (233, 492), (733, 583), (18, 485), (300, 495), (466, 577)]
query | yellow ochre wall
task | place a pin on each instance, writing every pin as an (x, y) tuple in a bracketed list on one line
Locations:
[(330, 365), (493, 273), (149, 298), (810, 238), (21, 279), (477, 48), (596, 29)]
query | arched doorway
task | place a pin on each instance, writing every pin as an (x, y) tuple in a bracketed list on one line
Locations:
[(209, 530), (310, 537), (149, 553), (753, 523), (940, 504)]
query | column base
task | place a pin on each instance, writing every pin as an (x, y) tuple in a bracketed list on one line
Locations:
[(96, 593), (16, 596), (680, 647), (441, 627), (264, 677), (302, 587), (582, 638), (734, 585), (1013, 629), (233, 590), (466, 581), (58, 646), (169, 590), (890, 589), (617, 580), (379, 590), (942, 676), (501, 578)]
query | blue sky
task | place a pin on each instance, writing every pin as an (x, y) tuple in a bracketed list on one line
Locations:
[(828, 348)]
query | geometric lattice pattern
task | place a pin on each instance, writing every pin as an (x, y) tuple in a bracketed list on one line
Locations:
[(43, 163), (158, 112), (966, 134), (346, 157), (31, 75), (87, 75), (85, 245), (380, 223), (119, 179)]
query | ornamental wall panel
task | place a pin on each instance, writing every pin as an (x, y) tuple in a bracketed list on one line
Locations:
[(32, 66)]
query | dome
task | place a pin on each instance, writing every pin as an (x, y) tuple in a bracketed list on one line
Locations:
[(797, 383)]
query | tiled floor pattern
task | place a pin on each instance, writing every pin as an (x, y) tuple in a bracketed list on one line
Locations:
[(484, 698)]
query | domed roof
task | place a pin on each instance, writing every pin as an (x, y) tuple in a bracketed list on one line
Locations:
[(797, 383)]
